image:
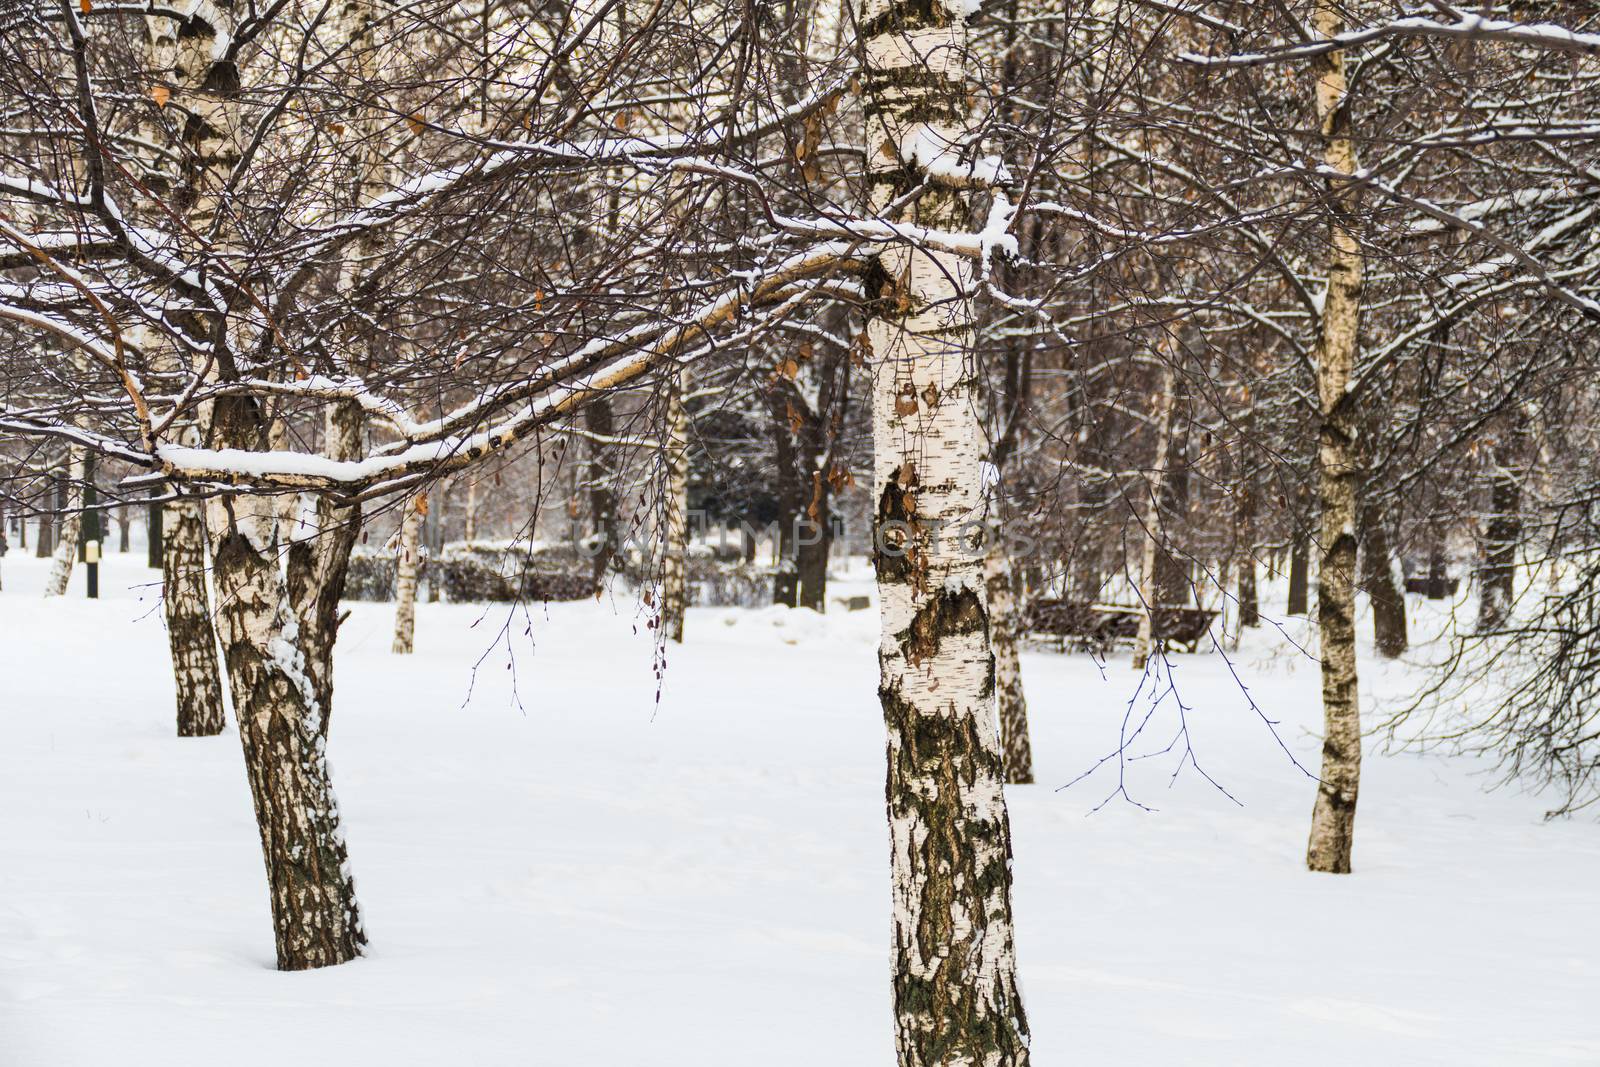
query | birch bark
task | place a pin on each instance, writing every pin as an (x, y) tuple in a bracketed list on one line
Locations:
[(1333, 816), (190, 635), (69, 528), (1002, 581), (405, 586), (282, 724), (674, 564), (956, 999), (276, 619)]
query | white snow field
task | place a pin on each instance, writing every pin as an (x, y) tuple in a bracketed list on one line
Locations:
[(590, 878)]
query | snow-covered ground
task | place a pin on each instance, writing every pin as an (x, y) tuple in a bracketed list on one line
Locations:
[(588, 877)]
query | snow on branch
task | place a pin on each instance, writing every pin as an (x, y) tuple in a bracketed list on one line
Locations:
[(429, 449), (1467, 27)]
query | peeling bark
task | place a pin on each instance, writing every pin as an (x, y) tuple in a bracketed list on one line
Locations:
[(956, 1000)]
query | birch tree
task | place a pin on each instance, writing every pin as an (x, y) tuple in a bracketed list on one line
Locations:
[(1333, 816), (955, 990), (405, 586)]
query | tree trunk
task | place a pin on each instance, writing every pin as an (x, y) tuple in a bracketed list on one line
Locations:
[(433, 536), (277, 618), (1377, 577), (405, 586), (1299, 579), (190, 635), (1174, 586), (69, 526), (1151, 552), (315, 567), (1249, 599), (278, 655), (786, 575), (124, 521), (45, 543), (1497, 579), (675, 551), (1245, 553), (599, 419), (956, 999), (1005, 613), (1333, 817), (469, 528), (813, 548), (152, 537)]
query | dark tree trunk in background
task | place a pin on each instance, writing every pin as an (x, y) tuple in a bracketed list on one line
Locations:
[(1299, 580), (48, 523), (1249, 599), (598, 419), (804, 435), (196, 676), (153, 534), (1245, 519), (1438, 575), (1377, 577), (786, 579), (1173, 587), (813, 547)]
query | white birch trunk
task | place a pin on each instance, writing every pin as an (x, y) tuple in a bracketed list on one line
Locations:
[(675, 550), (69, 528), (956, 1000), (281, 726), (276, 618), (405, 585), (1333, 816)]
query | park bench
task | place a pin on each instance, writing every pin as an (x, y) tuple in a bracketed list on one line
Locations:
[(1433, 586), (1100, 627)]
